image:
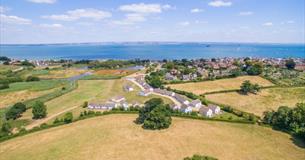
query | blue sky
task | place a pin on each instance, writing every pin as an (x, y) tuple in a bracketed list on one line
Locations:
[(73, 21)]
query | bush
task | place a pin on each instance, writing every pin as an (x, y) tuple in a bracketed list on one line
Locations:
[(199, 157), (15, 111), (68, 118), (4, 85), (6, 128), (39, 110), (32, 78), (290, 64), (248, 87)]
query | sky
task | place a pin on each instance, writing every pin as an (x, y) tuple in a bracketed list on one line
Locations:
[(79, 21)]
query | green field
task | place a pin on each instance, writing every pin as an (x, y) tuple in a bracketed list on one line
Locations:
[(97, 91), (115, 137), (267, 99)]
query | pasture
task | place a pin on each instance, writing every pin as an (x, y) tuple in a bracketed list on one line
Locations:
[(219, 85), (62, 73), (22, 91), (115, 137), (267, 99)]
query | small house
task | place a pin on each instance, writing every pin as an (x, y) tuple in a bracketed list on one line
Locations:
[(186, 109), (128, 88), (196, 103), (205, 111), (181, 99), (216, 109)]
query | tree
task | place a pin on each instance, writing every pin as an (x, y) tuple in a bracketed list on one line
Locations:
[(155, 115), (68, 118), (6, 128), (199, 157), (27, 63), (255, 69), (39, 110), (290, 64), (15, 111), (4, 85), (5, 59), (288, 119), (248, 87)]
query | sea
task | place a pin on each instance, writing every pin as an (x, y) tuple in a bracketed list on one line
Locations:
[(151, 50)]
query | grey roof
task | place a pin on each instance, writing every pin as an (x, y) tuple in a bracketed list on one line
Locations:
[(180, 98), (204, 110), (194, 102), (213, 107)]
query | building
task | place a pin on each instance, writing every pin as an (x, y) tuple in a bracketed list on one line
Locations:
[(118, 99), (181, 99), (196, 103), (186, 109), (128, 88), (205, 111), (215, 109)]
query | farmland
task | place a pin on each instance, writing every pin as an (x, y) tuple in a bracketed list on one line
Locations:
[(62, 73), (117, 137), (267, 99), (22, 91), (219, 85)]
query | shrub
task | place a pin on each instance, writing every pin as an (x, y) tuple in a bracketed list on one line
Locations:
[(32, 78), (39, 110), (68, 118), (199, 157), (15, 111), (290, 64), (248, 87)]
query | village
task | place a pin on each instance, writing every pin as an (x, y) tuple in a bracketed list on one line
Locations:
[(181, 103)]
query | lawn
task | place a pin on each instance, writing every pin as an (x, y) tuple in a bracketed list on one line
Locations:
[(117, 137), (219, 85), (267, 99), (108, 74), (5, 68)]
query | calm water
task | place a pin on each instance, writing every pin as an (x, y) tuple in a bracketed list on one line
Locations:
[(151, 51)]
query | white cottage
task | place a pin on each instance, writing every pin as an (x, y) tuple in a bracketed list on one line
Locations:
[(196, 103), (205, 111), (214, 108), (186, 109)]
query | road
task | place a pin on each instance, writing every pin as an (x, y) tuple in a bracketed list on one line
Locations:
[(37, 123)]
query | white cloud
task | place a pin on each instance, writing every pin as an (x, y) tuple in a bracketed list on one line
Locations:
[(247, 13), (14, 19), (4, 9), (144, 8), (268, 24), (43, 1), (76, 14), (201, 22), (56, 25), (130, 19), (185, 23), (139, 12), (220, 3), (196, 10)]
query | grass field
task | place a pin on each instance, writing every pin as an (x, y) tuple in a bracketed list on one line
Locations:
[(267, 99), (116, 137), (63, 73), (4, 68), (22, 91), (219, 85), (98, 91)]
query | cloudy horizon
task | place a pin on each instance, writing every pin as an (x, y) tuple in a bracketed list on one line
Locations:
[(75, 21)]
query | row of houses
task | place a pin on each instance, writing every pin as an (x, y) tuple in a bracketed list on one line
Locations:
[(186, 106), (115, 102)]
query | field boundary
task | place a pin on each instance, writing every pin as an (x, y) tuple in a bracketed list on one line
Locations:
[(45, 126)]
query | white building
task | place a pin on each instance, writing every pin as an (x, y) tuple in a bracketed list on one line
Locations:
[(205, 111), (186, 109), (145, 93), (196, 103), (214, 108)]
